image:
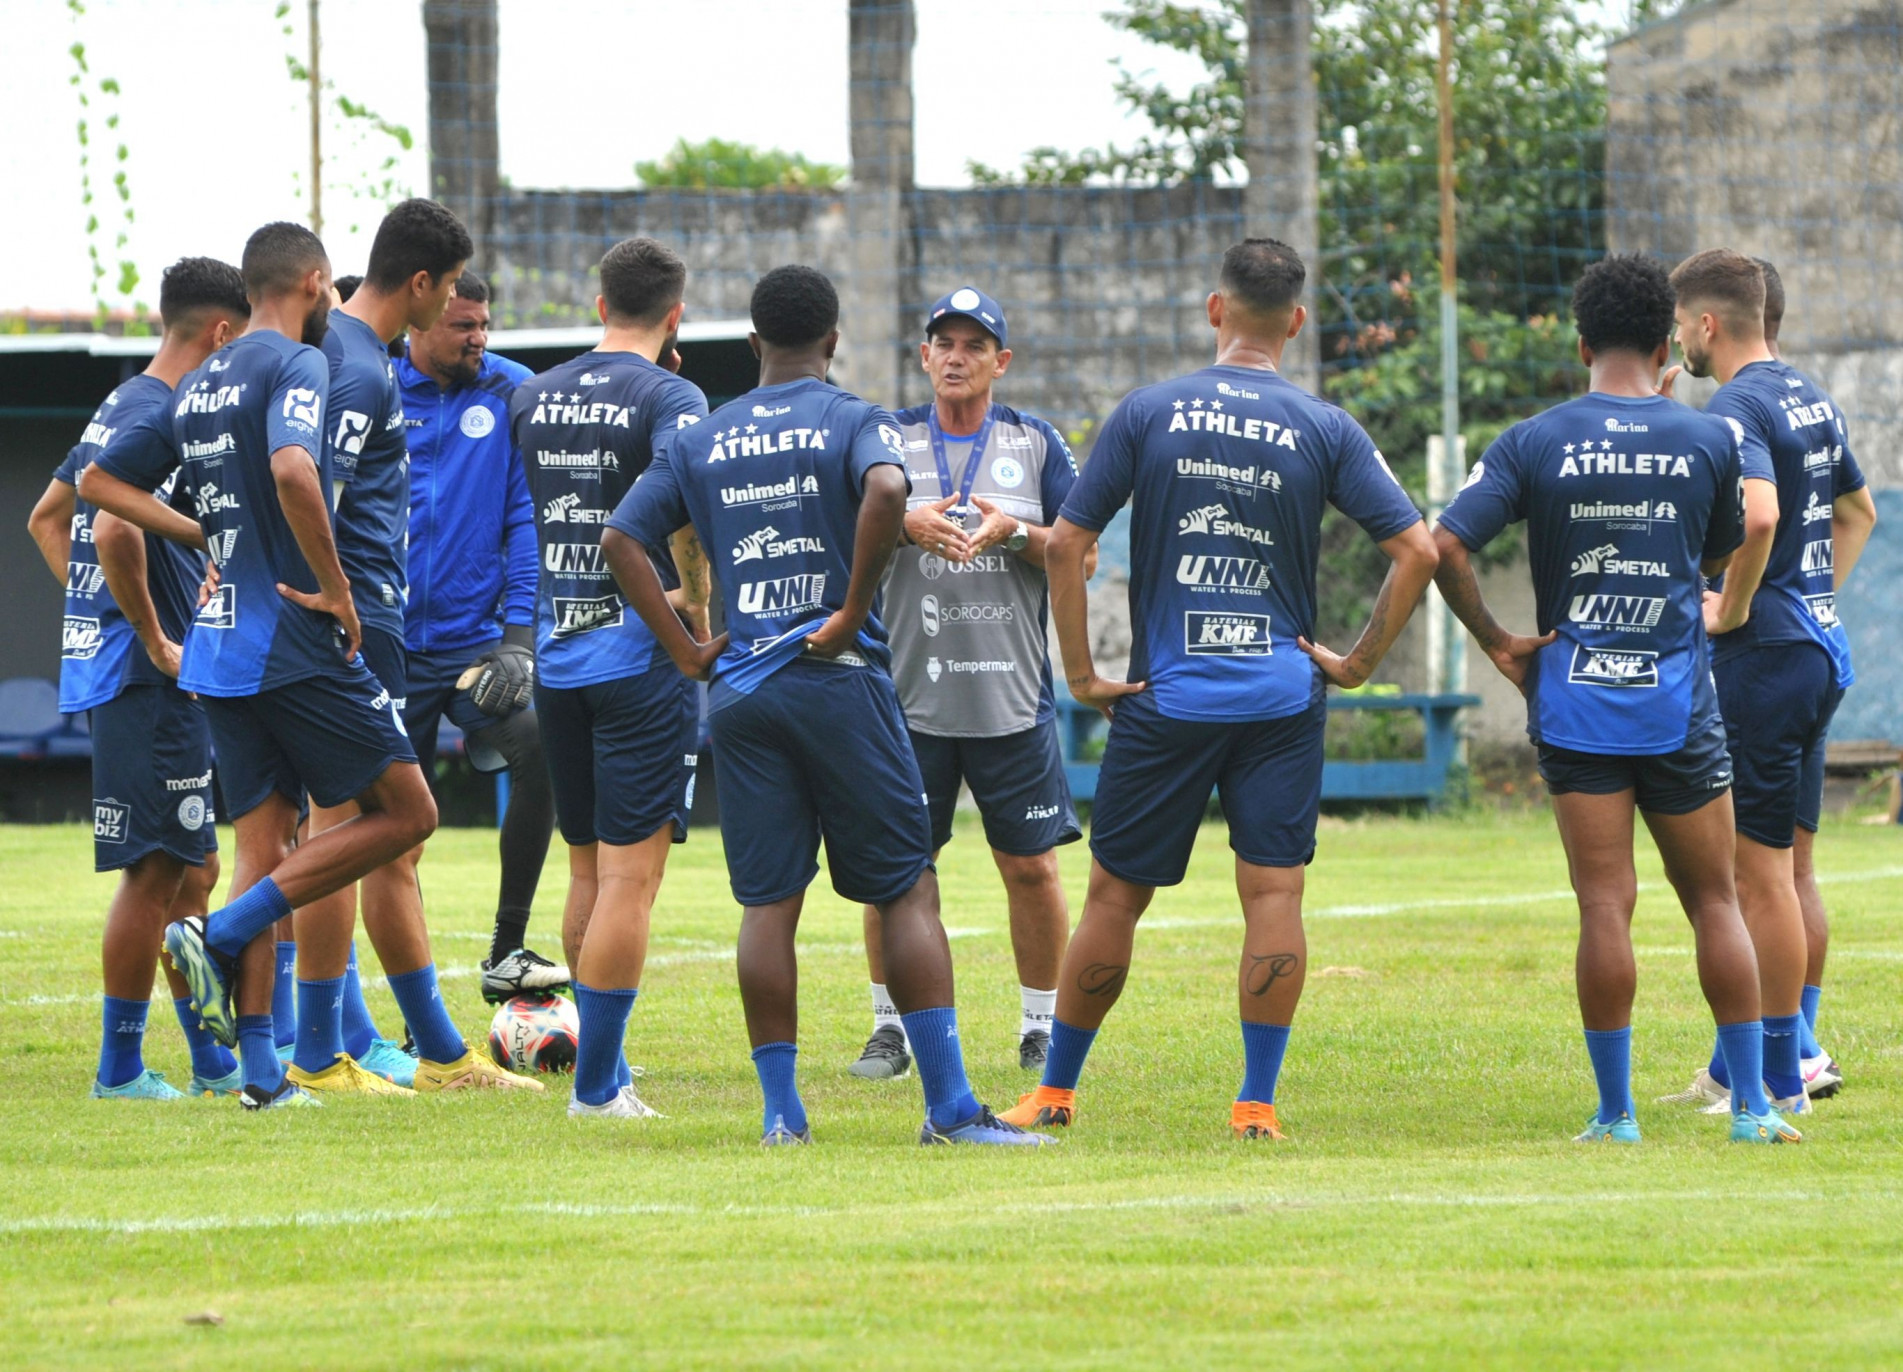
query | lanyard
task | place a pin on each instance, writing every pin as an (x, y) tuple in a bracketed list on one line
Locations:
[(978, 442)]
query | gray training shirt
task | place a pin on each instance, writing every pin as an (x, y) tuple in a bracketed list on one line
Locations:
[(969, 651)]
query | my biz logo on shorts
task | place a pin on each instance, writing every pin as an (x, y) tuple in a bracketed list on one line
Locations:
[(1208, 634), (1616, 667), (111, 820)]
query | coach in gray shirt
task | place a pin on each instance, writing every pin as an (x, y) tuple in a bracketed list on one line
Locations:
[(966, 604)]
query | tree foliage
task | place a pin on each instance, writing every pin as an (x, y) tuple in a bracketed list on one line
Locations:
[(721, 164)]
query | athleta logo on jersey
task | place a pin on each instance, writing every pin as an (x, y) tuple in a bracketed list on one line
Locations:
[(772, 495), (575, 559), (97, 434), (568, 509), (580, 614), (1216, 520), (1803, 416), (782, 596), (1606, 561), (751, 443), (201, 399), (1214, 421), (552, 409), (1204, 573), (1206, 634), (1612, 667), (80, 638), (1607, 463), (1623, 613), (768, 543)]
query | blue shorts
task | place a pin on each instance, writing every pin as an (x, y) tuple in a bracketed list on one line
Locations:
[(820, 751), (1153, 788), (1674, 783), (1018, 781), (389, 662), (1778, 701), (151, 778), (433, 693), (331, 735), (621, 755)]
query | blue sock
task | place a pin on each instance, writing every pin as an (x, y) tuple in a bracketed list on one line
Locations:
[(1720, 1070), (624, 1074), (1611, 1054), (229, 929), (1782, 1071), (320, 1023), (1069, 1047), (1812, 995), (1743, 1047), (284, 997), (122, 1023), (604, 1026), (422, 1007), (1262, 1049), (360, 1031), (775, 1063), (941, 1065), (258, 1052), (210, 1058)]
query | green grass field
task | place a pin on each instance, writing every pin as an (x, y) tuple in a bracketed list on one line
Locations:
[(1430, 1211)]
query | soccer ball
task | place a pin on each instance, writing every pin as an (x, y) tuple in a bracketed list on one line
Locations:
[(536, 1034)]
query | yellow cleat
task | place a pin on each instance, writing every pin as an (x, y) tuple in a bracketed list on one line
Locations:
[(470, 1072), (345, 1078), (1048, 1107), (1251, 1119)]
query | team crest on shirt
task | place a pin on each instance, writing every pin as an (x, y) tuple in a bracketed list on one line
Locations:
[(1008, 472), (191, 813), (478, 421)]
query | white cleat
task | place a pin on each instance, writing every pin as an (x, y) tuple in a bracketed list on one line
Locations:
[(1703, 1092), (623, 1105), (1798, 1104), (1823, 1078)]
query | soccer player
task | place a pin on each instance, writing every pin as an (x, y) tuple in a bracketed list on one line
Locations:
[(415, 258), (274, 656), (619, 724), (472, 575), (1627, 497), (1227, 471), (1779, 654), (128, 600), (969, 655), (809, 741)]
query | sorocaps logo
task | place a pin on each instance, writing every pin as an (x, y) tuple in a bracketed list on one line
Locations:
[(478, 421), (928, 615)]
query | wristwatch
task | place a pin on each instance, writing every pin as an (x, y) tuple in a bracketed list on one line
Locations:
[(1018, 538)]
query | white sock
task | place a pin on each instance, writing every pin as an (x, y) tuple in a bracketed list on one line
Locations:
[(1040, 1008), (884, 1012)]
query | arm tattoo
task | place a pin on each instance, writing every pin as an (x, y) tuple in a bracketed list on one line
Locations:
[(1102, 978), (1265, 969), (690, 560)]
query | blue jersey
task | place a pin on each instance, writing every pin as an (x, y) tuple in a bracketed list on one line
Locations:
[(1623, 498), (100, 654), (1791, 433), (1228, 471), (370, 468), (472, 551), (783, 465), (257, 394), (586, 430)]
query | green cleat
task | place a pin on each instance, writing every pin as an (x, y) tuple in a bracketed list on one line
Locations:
[(1625, 1129), (148, 1085), (209, 974), (1770, 1127)]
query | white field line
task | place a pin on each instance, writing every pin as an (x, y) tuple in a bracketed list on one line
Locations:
[(718, 954), (357, 1219)]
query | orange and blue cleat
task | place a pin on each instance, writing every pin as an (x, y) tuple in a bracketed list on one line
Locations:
[(1048, 1107), (1252, 1119)]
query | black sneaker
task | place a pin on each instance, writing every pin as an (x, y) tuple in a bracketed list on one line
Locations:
[(1033, 1048), (288, 1093), (522, 973), (884, 1057)]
